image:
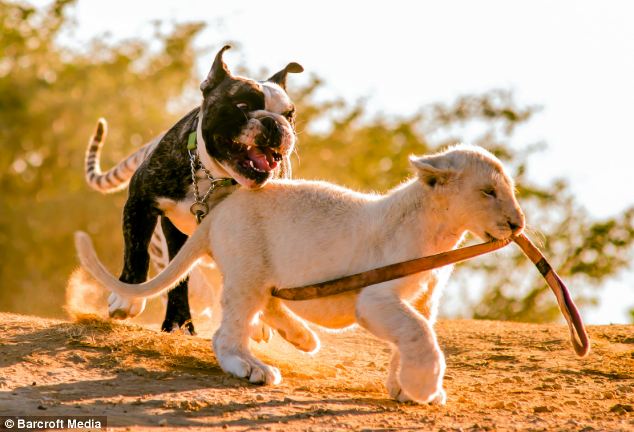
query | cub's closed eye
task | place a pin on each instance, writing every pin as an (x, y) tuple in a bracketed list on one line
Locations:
[(490, 192), (243, 106)]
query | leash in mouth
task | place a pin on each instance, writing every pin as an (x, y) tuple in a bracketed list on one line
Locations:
[(578, 336), (358, 281)]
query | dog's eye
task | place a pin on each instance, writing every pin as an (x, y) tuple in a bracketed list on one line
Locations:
[(242, 106), (489, 192)]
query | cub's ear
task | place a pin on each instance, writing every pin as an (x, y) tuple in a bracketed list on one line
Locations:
[(279, 78), (218, 72), (430, 171)]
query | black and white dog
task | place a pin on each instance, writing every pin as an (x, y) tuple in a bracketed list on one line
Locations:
[(243, 132)]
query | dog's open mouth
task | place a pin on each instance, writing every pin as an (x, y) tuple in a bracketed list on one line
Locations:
[(260, 159), (250, 165)]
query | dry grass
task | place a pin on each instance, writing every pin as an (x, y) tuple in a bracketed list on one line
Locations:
[(133, 346), (130, 345)]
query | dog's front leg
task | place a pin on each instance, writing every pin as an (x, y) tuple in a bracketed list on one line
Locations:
[(139, 220), (177, 315), (418, 366)]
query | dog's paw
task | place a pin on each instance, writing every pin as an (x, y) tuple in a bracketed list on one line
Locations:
[(121, 307), (260, 332), (178, 325), (184, 330), (256, 372)]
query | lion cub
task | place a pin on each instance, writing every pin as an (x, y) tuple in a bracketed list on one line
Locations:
[(296, 232)]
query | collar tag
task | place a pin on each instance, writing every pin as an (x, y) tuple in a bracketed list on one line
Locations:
[(191, 141)]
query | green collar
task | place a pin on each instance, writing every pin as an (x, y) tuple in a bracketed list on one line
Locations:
[(225, 182), (194, 160), (191, 138), (191, 141)]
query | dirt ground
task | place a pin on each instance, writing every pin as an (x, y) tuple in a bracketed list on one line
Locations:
[(500, 376)]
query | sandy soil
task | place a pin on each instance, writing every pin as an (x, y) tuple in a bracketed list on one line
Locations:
[(500, 376)]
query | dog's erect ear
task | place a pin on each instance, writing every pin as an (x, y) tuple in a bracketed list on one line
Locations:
[(218, 72), (280, 77), (431, 171)]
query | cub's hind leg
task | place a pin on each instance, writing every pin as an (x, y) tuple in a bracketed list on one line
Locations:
[(290, 326), (242, 300)]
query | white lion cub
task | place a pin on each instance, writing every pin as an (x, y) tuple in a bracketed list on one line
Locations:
[(296, 232)]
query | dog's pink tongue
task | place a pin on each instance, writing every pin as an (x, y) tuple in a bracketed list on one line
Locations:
[(259, 159)]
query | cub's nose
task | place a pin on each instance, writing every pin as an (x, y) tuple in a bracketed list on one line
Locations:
[(515, 227)]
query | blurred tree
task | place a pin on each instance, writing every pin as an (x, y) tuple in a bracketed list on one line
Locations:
[(51, 96), (372, 154), (50, 99)]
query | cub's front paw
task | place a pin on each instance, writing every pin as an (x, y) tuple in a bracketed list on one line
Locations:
[(396, 393), (392, 384), (121, 307), (421, 383), (440, 398)]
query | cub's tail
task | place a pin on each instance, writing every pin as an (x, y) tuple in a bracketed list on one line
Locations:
[(117, 177), (177, 269)]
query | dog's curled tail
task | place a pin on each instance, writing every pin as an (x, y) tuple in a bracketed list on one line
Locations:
[(177, 269), (117, 177)]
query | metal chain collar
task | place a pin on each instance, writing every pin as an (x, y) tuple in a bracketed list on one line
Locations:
[(200, 208)]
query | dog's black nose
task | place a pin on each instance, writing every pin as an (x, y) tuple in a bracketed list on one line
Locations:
[(271, 137), (269, 124)]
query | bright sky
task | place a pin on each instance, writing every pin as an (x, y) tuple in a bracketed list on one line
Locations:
[(574, 58)]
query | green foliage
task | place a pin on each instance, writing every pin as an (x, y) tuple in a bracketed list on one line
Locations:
[(50, 98), (373, 155)]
